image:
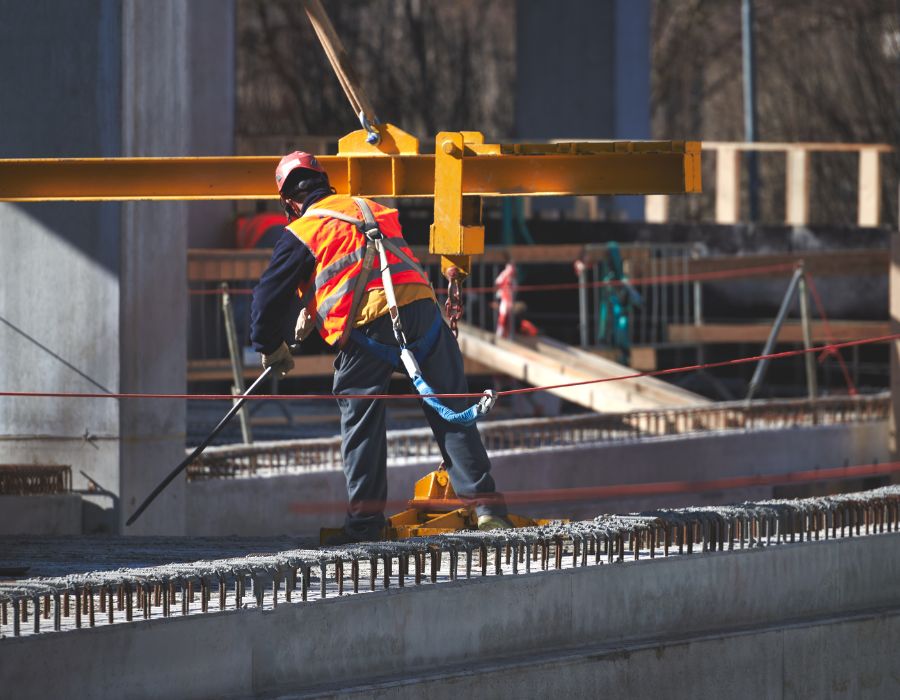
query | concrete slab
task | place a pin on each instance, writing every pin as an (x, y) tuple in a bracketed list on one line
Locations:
[(683, 612), (771, 662)]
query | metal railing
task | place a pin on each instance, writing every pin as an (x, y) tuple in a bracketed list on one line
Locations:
[(797, 164), (662, 304), (34, 479), (324, 454)]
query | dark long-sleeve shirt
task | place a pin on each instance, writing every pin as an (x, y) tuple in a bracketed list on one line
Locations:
[(275, 301)]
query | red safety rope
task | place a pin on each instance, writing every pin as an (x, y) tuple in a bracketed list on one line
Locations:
[(829, 336), (643, 281), (600, 493), (470, 395)]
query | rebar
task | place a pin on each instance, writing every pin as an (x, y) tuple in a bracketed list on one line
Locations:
[(599, 542), (295, 456)]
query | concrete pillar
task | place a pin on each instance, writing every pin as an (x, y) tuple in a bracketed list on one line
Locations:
[(583, 72), (894, 281), (632, 81), (565, 54), (93, 294)]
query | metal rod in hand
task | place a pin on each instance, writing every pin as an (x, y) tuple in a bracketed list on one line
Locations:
[(202, 446), (760, 371)]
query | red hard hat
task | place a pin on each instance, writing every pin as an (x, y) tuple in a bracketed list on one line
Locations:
[(292, 161)]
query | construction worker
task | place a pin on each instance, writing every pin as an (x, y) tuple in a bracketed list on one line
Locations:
[(322, 257)]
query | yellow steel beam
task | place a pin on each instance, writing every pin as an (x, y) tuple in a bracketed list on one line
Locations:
[(462, 170), (615, 171)]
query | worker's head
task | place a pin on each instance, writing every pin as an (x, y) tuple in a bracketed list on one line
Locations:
[(297, 176)]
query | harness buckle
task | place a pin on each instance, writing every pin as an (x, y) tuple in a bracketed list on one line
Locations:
[(410, 363), (486, 403)]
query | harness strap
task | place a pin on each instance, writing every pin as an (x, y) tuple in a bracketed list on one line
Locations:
[(330, 214), (390, 354), (362, 279), (408, 354), (398, 251), (376, 239), (366, 210)]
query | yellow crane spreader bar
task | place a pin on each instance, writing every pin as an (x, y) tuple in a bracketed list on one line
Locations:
[(462, 166), (491, 171)]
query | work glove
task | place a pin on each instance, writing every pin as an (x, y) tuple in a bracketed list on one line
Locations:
[(279, 360), (305, 325)]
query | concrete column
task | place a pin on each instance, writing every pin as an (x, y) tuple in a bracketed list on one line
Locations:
[(894, 281), (93, 295), (565, 82), (632, 85)]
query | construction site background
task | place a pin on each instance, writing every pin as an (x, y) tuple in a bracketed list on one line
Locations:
[(827, 72)]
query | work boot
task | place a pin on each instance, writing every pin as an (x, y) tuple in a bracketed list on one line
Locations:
[(493, 522), (340, 537)]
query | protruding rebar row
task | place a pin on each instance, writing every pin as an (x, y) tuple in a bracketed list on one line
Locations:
[(314, 454), (605, 539)]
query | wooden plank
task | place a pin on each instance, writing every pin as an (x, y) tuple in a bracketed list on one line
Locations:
[(869, 213), (656, 208), (728, 186), (641, 357), (822, 147), (227, 265), (216, 265), (548, 362), (797, 187), (219, 370), (833, 263), (791, 332), (595, 365)]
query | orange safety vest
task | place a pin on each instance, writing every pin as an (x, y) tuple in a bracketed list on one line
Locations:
[(339, 248)]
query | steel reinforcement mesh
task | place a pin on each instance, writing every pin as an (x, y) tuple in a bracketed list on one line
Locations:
[(525, 434), (34, 605)]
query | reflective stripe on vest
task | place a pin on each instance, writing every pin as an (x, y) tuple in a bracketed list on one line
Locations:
[(339, 248)]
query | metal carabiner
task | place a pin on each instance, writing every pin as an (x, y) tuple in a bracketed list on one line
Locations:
[(373, 137)]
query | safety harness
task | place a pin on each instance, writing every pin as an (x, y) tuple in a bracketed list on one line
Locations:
[(409, 354)]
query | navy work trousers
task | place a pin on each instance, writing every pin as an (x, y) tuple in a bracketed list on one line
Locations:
[(364, 444)]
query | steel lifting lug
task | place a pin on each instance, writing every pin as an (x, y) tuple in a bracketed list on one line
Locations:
[(486, 403)]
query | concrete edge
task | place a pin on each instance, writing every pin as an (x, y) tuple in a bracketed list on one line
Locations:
[(575, 654)]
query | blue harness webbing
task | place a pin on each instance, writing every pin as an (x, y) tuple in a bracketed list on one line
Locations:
[(421, 348)]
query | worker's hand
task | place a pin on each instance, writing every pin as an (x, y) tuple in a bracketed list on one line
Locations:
[(305, 325), (280, 361)]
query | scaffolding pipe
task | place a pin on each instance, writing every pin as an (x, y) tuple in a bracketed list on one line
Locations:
[(810, 360), (234, 355), (760, 371)]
